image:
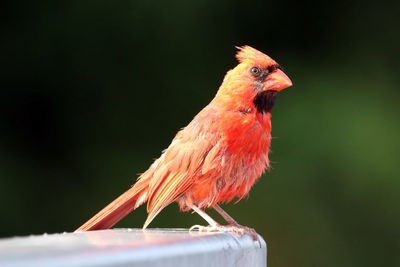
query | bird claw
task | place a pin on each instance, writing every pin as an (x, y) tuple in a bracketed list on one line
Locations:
[(238, 230)]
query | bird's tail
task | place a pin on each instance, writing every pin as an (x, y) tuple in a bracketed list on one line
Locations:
[(119, 208)]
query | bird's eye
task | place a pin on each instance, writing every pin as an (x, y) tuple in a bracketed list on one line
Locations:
[(255, 71)]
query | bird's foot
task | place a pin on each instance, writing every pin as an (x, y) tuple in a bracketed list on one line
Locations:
[(238, 230)]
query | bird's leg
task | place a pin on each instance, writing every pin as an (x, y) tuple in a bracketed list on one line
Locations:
[(232, 227), (205, 216), (235, 226), (225, 215)]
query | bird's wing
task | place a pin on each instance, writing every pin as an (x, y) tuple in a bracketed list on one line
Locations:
[(180, 165)]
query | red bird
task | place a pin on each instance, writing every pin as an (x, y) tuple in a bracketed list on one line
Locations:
[(217, 157)]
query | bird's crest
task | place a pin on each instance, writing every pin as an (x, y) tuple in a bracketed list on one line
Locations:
[(249, 54)]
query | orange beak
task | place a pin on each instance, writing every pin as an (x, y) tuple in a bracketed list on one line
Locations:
[(277, 81)]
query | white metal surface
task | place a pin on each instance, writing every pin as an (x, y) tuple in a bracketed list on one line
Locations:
[(133, 247)]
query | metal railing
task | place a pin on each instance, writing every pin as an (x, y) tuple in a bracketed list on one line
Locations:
[(133, 247)]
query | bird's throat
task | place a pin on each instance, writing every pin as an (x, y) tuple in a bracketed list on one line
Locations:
[(264, 101)]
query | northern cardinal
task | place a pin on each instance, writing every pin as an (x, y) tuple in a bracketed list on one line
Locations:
[(217, 157)]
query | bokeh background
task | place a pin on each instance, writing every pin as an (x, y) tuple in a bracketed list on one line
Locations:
[(92, 91)]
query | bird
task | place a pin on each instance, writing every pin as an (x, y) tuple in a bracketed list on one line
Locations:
[(217, 157)]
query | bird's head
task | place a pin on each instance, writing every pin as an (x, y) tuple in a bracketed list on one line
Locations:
[(254, 82)]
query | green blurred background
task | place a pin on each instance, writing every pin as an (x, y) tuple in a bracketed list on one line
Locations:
[(92, 91)]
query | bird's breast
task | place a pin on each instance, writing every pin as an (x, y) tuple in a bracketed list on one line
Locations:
[(250, 135), (235, 162)]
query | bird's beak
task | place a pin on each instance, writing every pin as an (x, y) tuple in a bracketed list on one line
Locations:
[(277, 81)]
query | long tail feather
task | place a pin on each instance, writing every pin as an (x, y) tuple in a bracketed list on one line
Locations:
[(118, 209)]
